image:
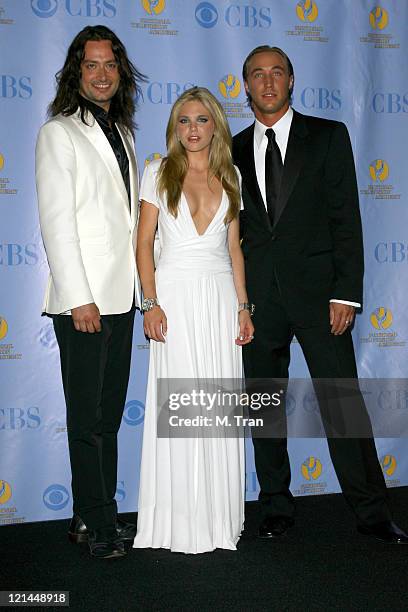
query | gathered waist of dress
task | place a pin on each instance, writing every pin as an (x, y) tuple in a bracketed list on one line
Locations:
[(191, 259)]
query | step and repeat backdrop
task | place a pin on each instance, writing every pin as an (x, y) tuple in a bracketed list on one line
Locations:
[(350, 60)]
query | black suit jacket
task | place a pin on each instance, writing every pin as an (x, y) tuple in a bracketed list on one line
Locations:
[(314, 251)]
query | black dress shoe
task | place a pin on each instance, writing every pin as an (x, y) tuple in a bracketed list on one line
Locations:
[(273, 527), (78, 532), (104, 543), (126, 531), (387, 531)]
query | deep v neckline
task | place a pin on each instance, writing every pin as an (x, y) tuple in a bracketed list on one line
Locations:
[(191, 216)]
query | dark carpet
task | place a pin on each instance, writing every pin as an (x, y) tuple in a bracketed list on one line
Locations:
[(323, 564)]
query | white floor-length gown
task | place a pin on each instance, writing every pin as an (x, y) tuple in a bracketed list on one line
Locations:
[(192, 490)]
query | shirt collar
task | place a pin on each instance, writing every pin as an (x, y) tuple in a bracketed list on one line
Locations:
[(281, 128), (97, 111)]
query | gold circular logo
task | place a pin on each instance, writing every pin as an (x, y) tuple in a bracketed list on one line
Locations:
[(311, 468), (378, 18), (154, 7), (381, 318), (3, 328), (307, 10), (388, 464), (5, 492), (229, 86), (379, 170), (1, 161), (152, 157)]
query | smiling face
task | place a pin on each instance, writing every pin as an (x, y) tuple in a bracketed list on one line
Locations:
[(269, 85), (99, 73), (195, 126)]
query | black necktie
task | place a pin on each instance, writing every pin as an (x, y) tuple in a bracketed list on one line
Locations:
[(273, 174)]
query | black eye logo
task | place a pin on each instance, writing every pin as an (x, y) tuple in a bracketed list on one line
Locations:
[(44, 8), (134, 413), (206, 15), (55, 497)]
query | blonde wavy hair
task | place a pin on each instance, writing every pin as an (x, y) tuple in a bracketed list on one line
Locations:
[(174, 166)]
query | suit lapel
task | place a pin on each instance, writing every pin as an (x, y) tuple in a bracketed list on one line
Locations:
[(133, 172), (249, 172), (95, 135), (294, 159)]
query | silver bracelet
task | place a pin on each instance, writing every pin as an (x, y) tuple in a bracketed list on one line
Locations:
[(246, 306), (149, 303)]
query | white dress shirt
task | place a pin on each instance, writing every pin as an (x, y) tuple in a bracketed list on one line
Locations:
[(281, 129)]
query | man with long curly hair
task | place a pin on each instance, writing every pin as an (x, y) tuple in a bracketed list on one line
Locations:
[(87, 188)]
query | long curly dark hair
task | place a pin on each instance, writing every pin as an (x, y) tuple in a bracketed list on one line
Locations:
[(68, 99)]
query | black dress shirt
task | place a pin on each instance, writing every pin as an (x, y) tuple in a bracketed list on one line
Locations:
[(111, 132)]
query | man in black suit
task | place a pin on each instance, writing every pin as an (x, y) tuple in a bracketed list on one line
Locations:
[(302, 243)]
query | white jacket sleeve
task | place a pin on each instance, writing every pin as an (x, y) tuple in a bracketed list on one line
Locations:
[(56, 189)]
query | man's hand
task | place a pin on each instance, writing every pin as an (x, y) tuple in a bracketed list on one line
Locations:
[(87, 318), (341, 317)]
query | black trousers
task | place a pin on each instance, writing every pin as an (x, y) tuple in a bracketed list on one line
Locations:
[(95, 374), (355, 459)]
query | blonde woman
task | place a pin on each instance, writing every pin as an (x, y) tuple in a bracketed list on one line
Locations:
[(197, 315)]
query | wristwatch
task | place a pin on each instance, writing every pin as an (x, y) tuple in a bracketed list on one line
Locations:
[(149, 303), (246, 306)]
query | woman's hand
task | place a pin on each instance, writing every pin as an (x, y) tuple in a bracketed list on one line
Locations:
[(246, 328), (155, 324)]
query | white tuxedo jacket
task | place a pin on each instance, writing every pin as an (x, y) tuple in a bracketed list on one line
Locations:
[(88, 230)]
